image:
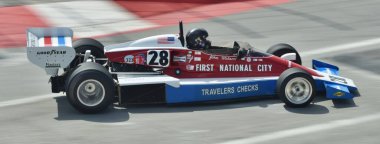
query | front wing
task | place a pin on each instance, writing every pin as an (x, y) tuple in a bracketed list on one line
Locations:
[(335, 86)]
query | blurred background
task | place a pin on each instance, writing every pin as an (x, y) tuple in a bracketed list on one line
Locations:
[(341, 32)]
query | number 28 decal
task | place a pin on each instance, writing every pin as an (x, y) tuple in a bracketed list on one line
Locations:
[(158, 58)]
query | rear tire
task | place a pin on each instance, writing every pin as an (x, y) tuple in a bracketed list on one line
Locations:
[(282, 48), (296, 88), (84, 44), (90, 88)]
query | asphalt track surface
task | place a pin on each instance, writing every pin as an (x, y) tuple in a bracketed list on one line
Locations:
[(341, 32)]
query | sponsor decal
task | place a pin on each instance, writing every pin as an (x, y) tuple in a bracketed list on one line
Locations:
[(190, 67), (229, 67), (179, 58), (33, 42), (204, 67), (166, 40), (247, 88), (228, 58), (264, 67), (46, 41), (52, 52), (189, 57), (230, 90), (218, 91), (53, 41), (158, 58), (248, 59), (235, 67), (212, 57), (52, 65), (254, 59), (198, 52), (338, 79), (338, 94), (140, 59), (197, 59), (129, 59)]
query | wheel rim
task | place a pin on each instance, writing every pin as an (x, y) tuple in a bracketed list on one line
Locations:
[(90, 92), (298, 90)]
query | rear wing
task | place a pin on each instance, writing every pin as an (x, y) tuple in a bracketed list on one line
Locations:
[(50, 48)]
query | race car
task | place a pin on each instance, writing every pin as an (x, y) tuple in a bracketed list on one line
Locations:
[(174, 68)]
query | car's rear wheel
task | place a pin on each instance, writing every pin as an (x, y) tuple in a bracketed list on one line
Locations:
[(90, 88), (282, 49), (296, 88), (84, 44)]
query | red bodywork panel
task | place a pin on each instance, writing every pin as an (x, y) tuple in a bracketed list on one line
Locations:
[(199, 64)]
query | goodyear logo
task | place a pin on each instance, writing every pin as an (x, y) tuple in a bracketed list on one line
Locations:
[(52, 52), (338, 94)]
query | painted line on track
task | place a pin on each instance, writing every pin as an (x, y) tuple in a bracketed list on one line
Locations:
[(31, 99), (196, 131), (306, 130), (12, 59), (343, 47)]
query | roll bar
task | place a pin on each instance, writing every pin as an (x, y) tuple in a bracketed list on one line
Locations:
[(181, 37)]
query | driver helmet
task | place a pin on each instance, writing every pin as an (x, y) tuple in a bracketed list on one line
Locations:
[(197, 39)]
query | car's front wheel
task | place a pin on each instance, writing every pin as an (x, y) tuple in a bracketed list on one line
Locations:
[(296, 88), (282, 49)]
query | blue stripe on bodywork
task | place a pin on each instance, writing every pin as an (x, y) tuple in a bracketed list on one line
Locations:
[(61, 41), (206, 92)]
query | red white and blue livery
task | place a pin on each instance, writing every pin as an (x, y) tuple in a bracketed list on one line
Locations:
[(173, 69)]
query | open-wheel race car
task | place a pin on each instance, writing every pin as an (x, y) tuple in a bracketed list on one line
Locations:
[(174, 68)]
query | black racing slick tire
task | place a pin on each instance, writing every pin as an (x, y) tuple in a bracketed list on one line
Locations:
[(281, 49), (90, 88), (84, 44), (296, 88)]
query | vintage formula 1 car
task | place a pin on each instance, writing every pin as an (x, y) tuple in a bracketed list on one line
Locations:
[(173, 69)]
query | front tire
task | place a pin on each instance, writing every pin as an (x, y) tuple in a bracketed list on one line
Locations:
[(90, 88), (282, 48), (296, 88)]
